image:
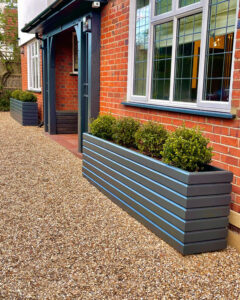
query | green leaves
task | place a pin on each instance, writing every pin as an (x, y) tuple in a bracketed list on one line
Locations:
[(24, 96), (124, 131), (150, 139), (187, 149), (103, 126)]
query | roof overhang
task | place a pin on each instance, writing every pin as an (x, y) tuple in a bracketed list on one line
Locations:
[(59, 12)]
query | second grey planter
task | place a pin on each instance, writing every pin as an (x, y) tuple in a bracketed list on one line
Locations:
[(189, 210), (26, 113)]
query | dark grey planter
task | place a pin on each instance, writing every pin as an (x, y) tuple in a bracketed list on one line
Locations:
[(189, 210), (26, 113)]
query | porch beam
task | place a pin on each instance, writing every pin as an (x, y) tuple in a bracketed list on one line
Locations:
[(62, 28)]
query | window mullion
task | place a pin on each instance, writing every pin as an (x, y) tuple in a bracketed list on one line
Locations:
[(150, 62), (202, 52), (175, 21)]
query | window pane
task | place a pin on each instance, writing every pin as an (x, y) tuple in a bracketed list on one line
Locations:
[(187, 2), (187, 58), (219, 49), (163, 35), (75, 52), (33, 72), (36, 64), (141, 47), (162, 6)]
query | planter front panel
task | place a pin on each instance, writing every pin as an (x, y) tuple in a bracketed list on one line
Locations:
[(185, 222), (26, 113)]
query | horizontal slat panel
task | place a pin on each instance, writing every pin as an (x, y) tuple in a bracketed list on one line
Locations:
[(181, 175), (182, 236), (155, 190), (179, 187), (67, 122), (185, 249), (25, 113), (158, 208)]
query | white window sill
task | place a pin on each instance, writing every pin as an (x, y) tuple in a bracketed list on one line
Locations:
[(35, 91), (190, 111)]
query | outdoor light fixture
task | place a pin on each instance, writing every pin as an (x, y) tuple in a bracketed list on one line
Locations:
[(87, 24), (22, 50), (96, 4)]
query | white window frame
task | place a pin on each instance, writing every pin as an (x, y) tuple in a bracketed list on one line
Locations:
[(34, 74), (73, 55), (174, 15)]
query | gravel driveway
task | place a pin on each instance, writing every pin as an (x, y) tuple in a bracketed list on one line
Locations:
[(62, 239)]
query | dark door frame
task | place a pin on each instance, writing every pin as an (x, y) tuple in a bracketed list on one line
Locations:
[(86, 111)]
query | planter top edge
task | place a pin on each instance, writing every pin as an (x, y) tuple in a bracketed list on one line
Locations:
[(24, 102), (220, 175), (138, 154)]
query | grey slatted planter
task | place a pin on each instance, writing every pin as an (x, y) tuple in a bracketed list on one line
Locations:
[(187, 210), (26, 113)]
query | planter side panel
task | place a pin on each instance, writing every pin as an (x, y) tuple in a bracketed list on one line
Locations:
[(23, 112), (188, 230)]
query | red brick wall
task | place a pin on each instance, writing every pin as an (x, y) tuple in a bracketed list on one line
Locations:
[(24, 71), (224, 134), (66, 84)]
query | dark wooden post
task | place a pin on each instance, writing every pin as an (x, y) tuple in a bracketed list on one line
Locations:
[(94, 82), (45, 83), (51, 85), (81, 70)]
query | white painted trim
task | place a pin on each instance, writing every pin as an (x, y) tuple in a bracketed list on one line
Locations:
[(174, 15), (233, 58), (173, 62), (131, 47), (73, 56), (32, 72)]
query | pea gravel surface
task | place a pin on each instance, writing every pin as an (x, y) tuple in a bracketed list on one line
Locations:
[(60, 238)]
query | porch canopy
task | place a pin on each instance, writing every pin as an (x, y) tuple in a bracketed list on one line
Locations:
[(59, 12), (58, 17)]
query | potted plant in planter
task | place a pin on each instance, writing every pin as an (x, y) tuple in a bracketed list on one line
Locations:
[(188, 208), (23, 108)]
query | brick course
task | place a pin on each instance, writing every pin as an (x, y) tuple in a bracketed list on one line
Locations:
[(66, 85)]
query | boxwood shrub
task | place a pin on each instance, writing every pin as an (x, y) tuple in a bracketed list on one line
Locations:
[(103, 126), (187, 149), (24, 96), (124, 131), (150, 139)]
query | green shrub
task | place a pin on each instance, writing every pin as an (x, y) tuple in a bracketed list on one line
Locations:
[(124, 131), (16, 94), (150, 138), (102, 126), (5, 101), (187, 149), (27, 97), (24, 96)]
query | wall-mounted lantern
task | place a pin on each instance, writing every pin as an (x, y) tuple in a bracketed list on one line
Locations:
[(87, 24)]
